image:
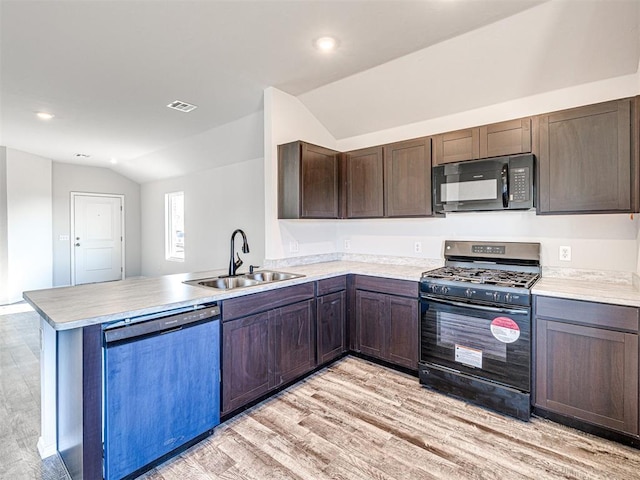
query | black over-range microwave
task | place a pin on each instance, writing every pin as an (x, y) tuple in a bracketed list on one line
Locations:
[(501, 183)]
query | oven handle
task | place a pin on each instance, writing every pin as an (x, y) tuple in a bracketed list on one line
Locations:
[(512, 311)]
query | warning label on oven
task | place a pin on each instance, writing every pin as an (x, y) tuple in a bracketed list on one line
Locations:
[(469, 356), (505, 329)]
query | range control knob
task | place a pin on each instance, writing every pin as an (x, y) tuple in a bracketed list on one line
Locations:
[(469, 293), (507, 297), (496, 296), (444, 290)]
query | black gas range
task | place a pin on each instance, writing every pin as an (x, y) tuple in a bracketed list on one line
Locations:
[(475, 338)]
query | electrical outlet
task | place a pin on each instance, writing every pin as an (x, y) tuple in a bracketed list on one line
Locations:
[(293, 246), (417, 247), (347, 244), (564, 253)]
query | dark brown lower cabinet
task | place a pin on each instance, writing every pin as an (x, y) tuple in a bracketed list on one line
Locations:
[(403, 331), (263, 351), (387, 325), (587, 362), (293, 341), (371, 316), (330, 318), (245, 360)]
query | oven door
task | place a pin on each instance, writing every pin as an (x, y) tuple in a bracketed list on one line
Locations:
[(488, 342)]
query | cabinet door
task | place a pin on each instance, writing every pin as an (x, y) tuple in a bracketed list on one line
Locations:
[(403, 332), (331, 326), (456, 146), (293, 341), (588, 373), (407, 178), (371, 311), (505, 138), (364, 185), (585, 159), (245, 360), (320, 182)]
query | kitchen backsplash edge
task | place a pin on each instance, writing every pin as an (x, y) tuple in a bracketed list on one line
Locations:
[(426, 263), (607, 276)]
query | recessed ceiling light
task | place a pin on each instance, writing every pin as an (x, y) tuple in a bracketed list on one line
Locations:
[(182, 106), (45, 115), (326, 44), (113, 161)]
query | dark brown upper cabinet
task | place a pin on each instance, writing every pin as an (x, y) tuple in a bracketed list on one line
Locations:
[(585, 162), (364, 183), (456, 146), (308, 181), (505, 138), (407, 178), (495, 140)]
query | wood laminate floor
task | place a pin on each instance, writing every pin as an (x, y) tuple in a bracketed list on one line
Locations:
[(353, 420)]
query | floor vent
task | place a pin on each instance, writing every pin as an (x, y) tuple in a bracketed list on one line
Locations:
[(182, 106)]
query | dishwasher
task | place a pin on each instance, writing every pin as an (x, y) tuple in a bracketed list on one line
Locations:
[(161, 387)]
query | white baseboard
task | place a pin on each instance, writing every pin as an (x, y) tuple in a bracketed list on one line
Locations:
[(46, 450)]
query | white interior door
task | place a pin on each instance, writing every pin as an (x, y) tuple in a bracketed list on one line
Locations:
[(97, 238)]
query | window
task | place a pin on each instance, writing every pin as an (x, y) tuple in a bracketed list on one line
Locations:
[(174, 226)]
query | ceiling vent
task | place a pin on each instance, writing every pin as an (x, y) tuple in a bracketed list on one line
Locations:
[(182, 106), (82, 155)]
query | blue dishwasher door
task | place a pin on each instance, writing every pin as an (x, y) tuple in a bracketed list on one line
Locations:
[(160, 392)]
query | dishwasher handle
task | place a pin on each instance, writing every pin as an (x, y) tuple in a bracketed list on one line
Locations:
[(161, 325)]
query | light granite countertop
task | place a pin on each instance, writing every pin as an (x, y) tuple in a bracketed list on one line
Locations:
[(66, 308), (589, 289)]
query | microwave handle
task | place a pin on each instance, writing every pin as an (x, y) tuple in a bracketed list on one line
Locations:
[(504, 175)]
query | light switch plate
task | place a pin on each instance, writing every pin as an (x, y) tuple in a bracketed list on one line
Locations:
[(564, 253)]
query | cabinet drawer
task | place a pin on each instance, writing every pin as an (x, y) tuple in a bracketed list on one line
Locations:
[(260, 302), (614, 317), (405, 288), (331, 285)]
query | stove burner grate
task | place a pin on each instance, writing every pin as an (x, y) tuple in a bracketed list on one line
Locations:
[(503, 278)]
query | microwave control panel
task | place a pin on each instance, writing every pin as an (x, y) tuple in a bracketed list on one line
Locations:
[(519, 184)]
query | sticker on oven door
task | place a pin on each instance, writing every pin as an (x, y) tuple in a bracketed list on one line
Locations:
[(505, 330), (469, 356)]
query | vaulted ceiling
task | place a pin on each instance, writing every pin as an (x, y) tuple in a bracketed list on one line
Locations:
[(107, 69)]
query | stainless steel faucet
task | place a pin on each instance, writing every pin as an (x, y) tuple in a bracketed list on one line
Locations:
[(234, 265)]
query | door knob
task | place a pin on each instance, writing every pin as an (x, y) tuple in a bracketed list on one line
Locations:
[(78, 244)]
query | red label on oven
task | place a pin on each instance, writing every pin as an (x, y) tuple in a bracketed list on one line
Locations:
[(505, 329)]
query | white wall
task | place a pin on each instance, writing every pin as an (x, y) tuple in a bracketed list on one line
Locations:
[(286, 119), (217, 201), (224, 190), (4, 262), (69, 178), (29, 224)]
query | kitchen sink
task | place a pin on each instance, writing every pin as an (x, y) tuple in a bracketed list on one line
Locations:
[(227, 282), (245, 280), (268, 276)]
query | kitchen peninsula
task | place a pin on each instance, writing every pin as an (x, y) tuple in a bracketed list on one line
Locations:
[(72, 334)]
